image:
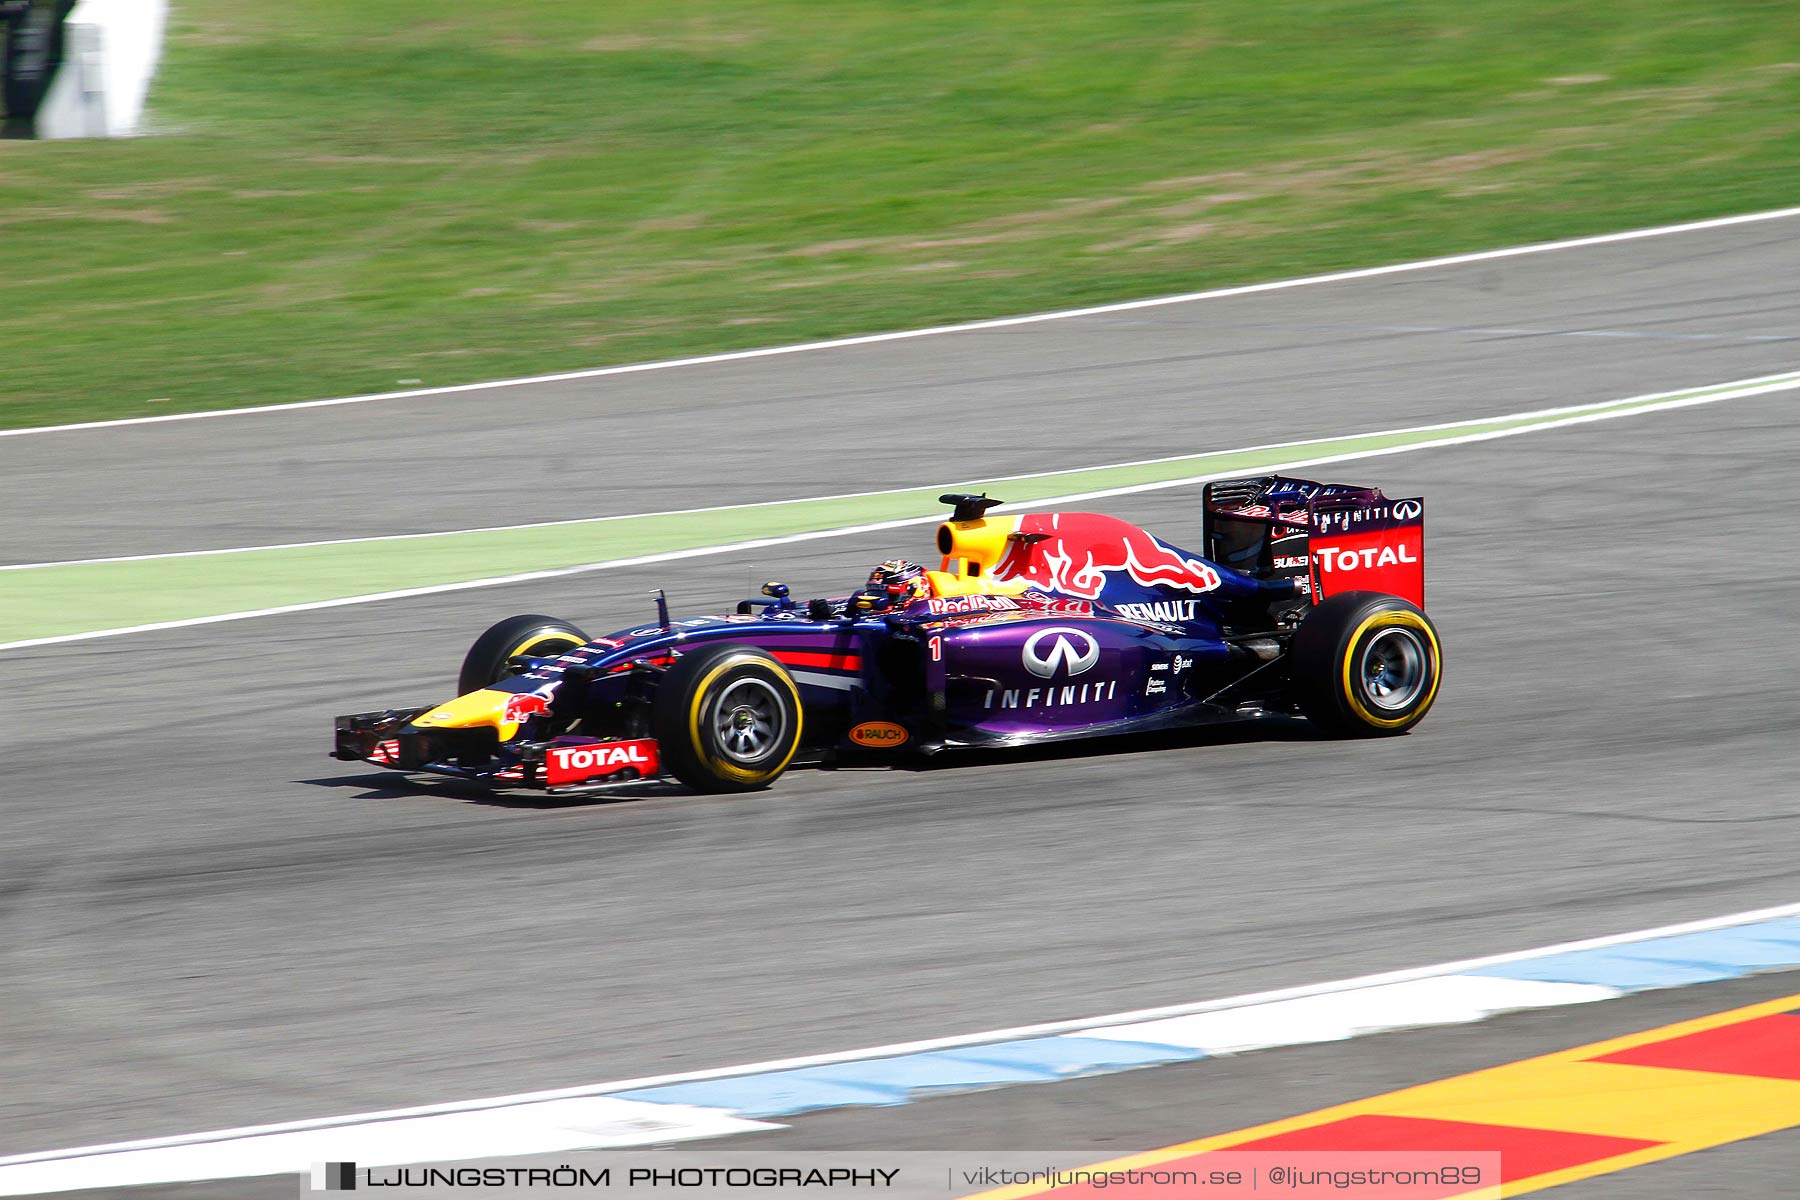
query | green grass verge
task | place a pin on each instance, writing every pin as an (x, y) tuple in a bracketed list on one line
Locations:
[(344, 196), (54, 601)]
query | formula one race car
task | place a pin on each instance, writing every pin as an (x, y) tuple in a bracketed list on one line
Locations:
[(1033, 628)]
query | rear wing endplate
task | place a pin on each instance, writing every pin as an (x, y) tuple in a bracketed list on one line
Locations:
[(1338, 537)]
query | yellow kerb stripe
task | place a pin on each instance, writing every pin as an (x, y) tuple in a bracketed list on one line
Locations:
[(1686, 1110)]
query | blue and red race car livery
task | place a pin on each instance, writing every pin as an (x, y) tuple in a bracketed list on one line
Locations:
[(1308, 600)]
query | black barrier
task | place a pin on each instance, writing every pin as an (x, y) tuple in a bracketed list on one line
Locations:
[(31, 49)]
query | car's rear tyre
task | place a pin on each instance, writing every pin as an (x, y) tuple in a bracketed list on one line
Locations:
[(529, 634), (1366, 664), (727, 718)]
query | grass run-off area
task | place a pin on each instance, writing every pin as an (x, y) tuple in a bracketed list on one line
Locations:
[(342, 197)]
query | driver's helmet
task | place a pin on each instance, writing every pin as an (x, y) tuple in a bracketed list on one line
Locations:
[(900, 581)]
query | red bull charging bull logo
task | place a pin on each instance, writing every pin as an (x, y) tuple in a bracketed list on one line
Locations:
[(1076, 553), (523, 705)]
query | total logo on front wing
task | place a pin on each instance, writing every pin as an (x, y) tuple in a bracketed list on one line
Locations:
[(577, 764)]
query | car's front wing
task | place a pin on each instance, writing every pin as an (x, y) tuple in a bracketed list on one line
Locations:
[(569, 764)]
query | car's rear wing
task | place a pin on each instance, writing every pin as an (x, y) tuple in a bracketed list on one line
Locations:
[(1340, 537)]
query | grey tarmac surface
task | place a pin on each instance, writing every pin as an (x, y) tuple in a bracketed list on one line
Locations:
[(1115, 1115), (212, 923), (209, 923), (1481, 339), (1104, 1118)]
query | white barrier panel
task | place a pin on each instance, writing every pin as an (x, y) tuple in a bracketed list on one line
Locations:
[(110, 49)]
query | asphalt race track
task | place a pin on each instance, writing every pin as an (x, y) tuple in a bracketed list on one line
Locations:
[(1435, 345), (208, 922)]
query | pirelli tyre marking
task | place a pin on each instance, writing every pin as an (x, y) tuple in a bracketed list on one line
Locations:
[(531, 643)]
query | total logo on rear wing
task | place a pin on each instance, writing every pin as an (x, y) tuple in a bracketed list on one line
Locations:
[(1377, 548)]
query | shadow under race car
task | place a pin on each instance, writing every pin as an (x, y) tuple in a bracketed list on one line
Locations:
[(1034, 628)]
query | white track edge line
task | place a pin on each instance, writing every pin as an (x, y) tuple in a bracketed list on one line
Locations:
[(1785, 384), (1648, 398), (1451, 260), (1047, 1029)]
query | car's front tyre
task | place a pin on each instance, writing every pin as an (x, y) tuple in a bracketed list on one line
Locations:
[(1366, 664), (727, 718), (528, 635)]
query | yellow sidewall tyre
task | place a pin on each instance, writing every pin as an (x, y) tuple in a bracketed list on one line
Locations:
[(727, 718), (529, 633), (1366, 664)]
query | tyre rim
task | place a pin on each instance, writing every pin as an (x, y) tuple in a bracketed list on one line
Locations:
[(1393, 669), (748, 720)]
